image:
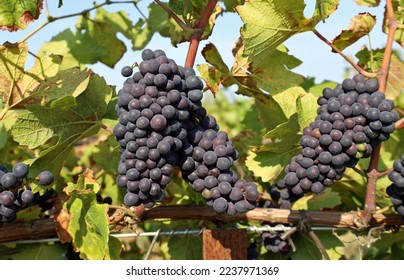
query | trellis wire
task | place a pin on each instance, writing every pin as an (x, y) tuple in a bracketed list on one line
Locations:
[(254, 229)]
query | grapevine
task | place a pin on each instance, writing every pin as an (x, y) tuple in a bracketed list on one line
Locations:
[(107, 138)]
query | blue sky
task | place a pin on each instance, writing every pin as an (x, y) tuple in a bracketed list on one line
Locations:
[(317, 59)]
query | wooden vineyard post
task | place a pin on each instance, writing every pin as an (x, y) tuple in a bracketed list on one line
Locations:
[(224, 244)]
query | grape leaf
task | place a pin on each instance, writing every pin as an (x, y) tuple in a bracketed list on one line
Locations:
[(324, 8), (17, 14), (308, 250), (40, 251), (186, 247), (67, 120), (271, 74), (269, 161), (359, 26), (12, 62), (306, 107), (395, 82), (368, 3), (43, 83), (267, 24), (94, 41), (370, 61), (314, 202), (88, 224), (231, 5)]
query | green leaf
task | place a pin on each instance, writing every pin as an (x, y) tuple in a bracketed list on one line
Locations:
[(306, 109), (231, 5), (368, 3), (70, 82), (119, 21), (104, 37), (272, 73), (3, 135), (360, 26), (39, 251), (271, 161), (186, 247), (67, 122), (88, 223), (17, 14), (315, 202), (267, 24), (398, 7), (370, 61), (29, 214), (324, 8), (76, 48), (306, 249), (114, 249)]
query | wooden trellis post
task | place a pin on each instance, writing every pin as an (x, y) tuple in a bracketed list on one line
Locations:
[(224, 244)]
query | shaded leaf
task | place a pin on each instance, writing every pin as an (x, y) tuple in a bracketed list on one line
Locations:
[(359, 26), (17, 14), (66, 122), (40, 251), (316, 202), (230, 5), (186, 247), (370, 61)]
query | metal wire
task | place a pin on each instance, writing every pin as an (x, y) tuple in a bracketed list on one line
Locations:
[(156, 234)]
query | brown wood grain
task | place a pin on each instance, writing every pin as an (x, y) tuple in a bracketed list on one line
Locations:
[(224, 244)]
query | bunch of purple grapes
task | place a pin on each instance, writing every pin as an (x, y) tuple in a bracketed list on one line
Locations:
[(396, 190), (15, 192), (352, 119), (163, 124)]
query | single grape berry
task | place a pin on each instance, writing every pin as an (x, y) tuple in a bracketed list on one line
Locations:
[(45, 178), (126, 71)]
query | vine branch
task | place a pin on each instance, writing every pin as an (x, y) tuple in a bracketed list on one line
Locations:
[(175, 17), (52, 19), (392, 27), (372, 171), (200, 27), (350, 61), (46, 228)]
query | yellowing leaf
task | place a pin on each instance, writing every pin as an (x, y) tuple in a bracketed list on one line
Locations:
[(368, 3), (359, 26), (267, 24), (17, 14)]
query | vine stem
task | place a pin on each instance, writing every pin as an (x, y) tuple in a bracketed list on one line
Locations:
[(52, 19), (372, 171), (392, 27), (46, 227), (174, 17), (200, 27), (350, 61)]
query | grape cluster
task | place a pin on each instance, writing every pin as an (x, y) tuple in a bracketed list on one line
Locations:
[(163, 124), (396, 190), (15, 192), (352, 119)]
